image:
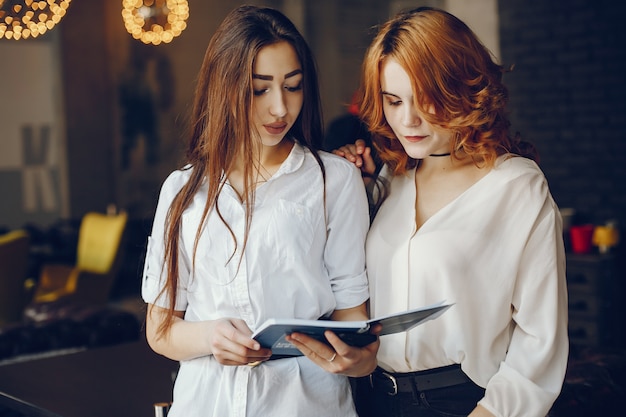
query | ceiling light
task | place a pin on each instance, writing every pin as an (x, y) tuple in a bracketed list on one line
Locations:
[(155, 21), (29, 18)]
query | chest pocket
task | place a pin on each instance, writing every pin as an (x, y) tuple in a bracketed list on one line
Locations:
[(290, 231)]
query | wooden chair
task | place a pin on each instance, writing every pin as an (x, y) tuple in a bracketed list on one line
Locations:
[(13, 270), (89, 282)]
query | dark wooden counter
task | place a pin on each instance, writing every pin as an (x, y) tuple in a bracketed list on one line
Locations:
[(119, 381)]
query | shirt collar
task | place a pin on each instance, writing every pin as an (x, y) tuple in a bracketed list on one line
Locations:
[(294, 160)]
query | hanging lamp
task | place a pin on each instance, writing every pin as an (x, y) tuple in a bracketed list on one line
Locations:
[(155, 21), (23, 19)]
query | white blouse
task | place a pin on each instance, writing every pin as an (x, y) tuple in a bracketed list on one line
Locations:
[(497, 252), (298, 263)]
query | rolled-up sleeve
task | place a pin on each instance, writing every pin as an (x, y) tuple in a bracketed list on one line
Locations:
[(154, 271), (347, 226)]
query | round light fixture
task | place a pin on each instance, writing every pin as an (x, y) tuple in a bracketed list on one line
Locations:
[(155, 21), (30, 18)]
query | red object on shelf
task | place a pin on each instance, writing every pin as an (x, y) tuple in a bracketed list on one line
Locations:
[(580, 236)]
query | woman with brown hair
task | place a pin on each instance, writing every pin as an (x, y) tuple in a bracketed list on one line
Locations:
[(468, 218), (259, 224)]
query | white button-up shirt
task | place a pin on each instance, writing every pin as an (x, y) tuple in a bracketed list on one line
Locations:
[(300, 262), (496, 251)]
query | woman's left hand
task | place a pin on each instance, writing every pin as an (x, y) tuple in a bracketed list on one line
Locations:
[(480, 411), (338, 357)]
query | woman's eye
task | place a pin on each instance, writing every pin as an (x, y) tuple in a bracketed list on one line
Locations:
[(394, 102), (294, 88), (259, 92)]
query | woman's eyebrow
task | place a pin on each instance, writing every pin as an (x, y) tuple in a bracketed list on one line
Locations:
[(271, 77), (387, 93), (293, 73)]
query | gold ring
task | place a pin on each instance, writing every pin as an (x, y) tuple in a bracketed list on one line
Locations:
[(253, 364), (333, 358)]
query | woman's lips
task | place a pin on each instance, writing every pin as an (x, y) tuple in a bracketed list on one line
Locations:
[(275, 128), (414, 138)]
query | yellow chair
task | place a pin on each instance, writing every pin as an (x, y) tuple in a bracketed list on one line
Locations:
[(90, 281), (13, 269)]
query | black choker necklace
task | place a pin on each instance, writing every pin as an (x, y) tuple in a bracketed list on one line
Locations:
[(440, 154)]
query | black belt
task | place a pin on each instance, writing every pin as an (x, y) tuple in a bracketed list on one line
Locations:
[(393, 383)]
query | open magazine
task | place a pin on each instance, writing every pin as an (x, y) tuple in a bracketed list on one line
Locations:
[(271, 334)]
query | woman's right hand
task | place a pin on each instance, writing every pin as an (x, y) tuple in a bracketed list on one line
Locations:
[(227, 339), (359, 154), (231, 344)]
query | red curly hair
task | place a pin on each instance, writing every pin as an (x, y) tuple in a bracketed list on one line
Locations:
[(451, 72)]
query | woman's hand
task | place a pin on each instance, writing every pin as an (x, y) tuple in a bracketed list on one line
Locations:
[(231, 344), (228, 339), (338, 358), (480, 411), (359, 154)]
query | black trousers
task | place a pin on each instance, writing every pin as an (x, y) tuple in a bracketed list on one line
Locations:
[(374, 400)]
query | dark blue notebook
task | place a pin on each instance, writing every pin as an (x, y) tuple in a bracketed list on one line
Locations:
[(271, 334)]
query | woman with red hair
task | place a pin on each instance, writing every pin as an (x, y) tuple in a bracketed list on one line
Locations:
[(466, 217)]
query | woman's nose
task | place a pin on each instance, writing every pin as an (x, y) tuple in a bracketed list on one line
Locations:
[(411, 116), (278, 108)]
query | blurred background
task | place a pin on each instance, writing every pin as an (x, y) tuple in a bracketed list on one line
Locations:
[(92, 117)]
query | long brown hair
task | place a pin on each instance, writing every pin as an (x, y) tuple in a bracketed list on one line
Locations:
[(221, 120), (453, 73)]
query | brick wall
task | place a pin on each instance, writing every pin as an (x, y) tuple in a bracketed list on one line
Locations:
[(568, 95)]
